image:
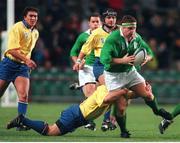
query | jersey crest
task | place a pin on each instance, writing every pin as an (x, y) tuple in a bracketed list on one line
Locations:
[(123, 46), (135, 45), (102, 40), (26, 35)]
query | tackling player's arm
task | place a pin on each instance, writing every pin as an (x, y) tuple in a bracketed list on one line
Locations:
[(114, 96)]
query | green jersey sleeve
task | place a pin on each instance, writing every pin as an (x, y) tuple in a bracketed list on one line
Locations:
[(148, 48), (78, 44)]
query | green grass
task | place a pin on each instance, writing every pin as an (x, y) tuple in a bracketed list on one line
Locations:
[(141, 122)]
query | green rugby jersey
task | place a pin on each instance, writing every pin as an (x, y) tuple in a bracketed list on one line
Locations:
[(78, 45), (116, 47)]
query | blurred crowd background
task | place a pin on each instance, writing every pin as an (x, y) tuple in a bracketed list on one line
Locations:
[(61, 21)]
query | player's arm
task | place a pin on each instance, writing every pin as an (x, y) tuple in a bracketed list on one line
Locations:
[(16, 53), (114, 95), (107, 52), (85, 50), (77, 47), (150, 54), (14, 48), (124, 60)]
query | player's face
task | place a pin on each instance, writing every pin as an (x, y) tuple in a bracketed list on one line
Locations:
[(31, 18), (110, 20), (94, 23), (129, 32)]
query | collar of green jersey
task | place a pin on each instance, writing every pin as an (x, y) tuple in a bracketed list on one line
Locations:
[(123, 35)]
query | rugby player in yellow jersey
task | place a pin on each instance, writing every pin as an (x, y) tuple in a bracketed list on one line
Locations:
[(16, 64), (95, 42), (74, 116)]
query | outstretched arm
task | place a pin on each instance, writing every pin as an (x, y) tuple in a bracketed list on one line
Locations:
[(114, 95)]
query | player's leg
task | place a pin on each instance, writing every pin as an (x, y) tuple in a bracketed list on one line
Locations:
[(141, 88), (143, 91), (87, 83), (22, 87), (113, 84), (70, 119), (118, 96), (106, 124), (5, 76), (3, 87), (176, 111), (120, 114), (88, 89), (164, 124), (39, 126)]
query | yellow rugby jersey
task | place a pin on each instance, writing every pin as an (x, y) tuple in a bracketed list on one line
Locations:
[(23, 38), (95, 41), (93, 106)]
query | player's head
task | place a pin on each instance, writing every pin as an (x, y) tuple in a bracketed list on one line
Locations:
[(94, 21), (128, 26), (30, 15), (109, 18)]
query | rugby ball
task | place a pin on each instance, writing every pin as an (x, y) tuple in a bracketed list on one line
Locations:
[(140, 55)]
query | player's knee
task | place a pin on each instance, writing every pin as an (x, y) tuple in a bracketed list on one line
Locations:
[(52, 130), (149, 96), (23, 97), (88, 92), (46, 130), (122, 111)]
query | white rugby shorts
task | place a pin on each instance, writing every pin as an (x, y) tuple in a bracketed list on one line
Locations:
[(86, 75), (115, 81)]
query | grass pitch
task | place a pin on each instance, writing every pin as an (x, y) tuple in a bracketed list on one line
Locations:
[(141, 122)]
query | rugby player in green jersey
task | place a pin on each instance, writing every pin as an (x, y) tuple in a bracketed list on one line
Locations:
[(86, 77), (117, 58), (95, 42)]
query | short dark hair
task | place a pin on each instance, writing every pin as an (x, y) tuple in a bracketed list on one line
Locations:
[(27, 9), (95, 14), (128, 19)]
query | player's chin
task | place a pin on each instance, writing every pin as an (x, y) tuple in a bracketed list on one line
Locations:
[(32, 24)]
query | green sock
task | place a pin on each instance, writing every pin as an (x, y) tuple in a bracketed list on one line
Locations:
[(121, 120), (153, 105), (176, 111)]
